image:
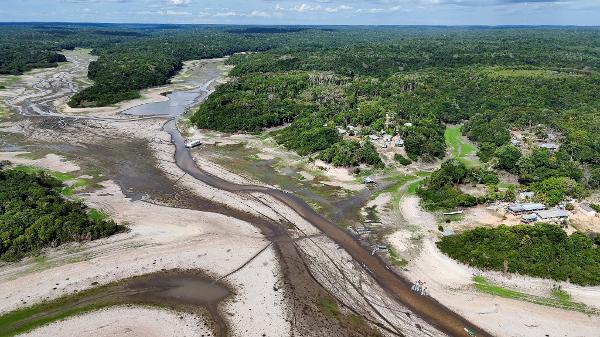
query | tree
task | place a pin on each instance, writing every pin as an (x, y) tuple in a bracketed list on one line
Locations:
[(508, 156), (553, 190)]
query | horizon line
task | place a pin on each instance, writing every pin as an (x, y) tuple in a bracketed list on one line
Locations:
[(294, 25)]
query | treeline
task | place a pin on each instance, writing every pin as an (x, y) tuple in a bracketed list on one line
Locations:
[(375, 78), (34, 215), (539, 250), (24, 47)]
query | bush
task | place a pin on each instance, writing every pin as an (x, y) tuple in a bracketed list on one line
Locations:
[(508, 155), (553, 190), (402, 160), (440, 191)]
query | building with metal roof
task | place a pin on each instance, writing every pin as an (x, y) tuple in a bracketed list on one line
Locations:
[(549, 146), (555, 214), (529, 218), (526, 208)]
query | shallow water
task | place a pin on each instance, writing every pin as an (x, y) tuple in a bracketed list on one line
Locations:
[(202, 79), (178, 102), (179, 289)]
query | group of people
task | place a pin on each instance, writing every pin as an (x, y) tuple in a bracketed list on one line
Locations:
[(419, 287)]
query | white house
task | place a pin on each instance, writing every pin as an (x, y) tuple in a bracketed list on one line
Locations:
[(526, 196), (549, 146)]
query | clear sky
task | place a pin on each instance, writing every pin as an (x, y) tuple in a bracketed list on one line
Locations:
[(354, 12)]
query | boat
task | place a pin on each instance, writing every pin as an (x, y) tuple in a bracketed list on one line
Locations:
[(193, 143), (470, 332)]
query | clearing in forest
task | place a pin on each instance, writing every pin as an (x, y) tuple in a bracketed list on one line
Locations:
[(460, 148)]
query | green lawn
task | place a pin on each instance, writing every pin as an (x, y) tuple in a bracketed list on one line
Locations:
[(3, 111), (329, 307), (95, 214), (557, 298), (67, 191), (460, 149)]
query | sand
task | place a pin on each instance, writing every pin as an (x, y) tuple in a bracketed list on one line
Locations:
[(127, 321), (160, 237), (451, 283), (51, 161)]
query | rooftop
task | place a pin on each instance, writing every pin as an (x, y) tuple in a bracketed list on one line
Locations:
[(586, 207), (552, 214), (550, 146), (528, 207)]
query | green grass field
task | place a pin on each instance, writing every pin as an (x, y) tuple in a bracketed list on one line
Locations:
[(557, 297), (461, 150), (78, 183), (3, 111)]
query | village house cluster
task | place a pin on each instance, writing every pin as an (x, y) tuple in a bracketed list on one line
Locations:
[(531, 212)]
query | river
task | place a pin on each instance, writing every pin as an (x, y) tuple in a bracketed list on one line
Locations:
[(396, 286)]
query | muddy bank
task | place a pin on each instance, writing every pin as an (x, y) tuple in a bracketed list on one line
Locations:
[(177, 289), (432, 311), (115, 146)]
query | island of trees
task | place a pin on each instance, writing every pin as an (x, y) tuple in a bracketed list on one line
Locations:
[(34, 215)]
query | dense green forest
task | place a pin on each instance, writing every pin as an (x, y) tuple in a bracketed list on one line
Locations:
[(496, 80), (34, 215), (540, 250)]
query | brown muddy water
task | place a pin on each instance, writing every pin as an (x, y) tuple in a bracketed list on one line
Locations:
[(398, 287), (182, 290)]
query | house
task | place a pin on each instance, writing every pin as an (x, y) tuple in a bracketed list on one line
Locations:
[(529, 218), (341, 131), (373, 137), (549, 146), (516, 142), (587, 210), (384, 146), (408, 124), (448, 232), (526, 196), (552, 215), (517, 209), (369, 180), (387, 138), (400, 143)]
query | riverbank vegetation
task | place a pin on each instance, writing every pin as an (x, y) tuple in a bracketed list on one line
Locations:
[(35, 215), (557, 298), (540, 250)]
